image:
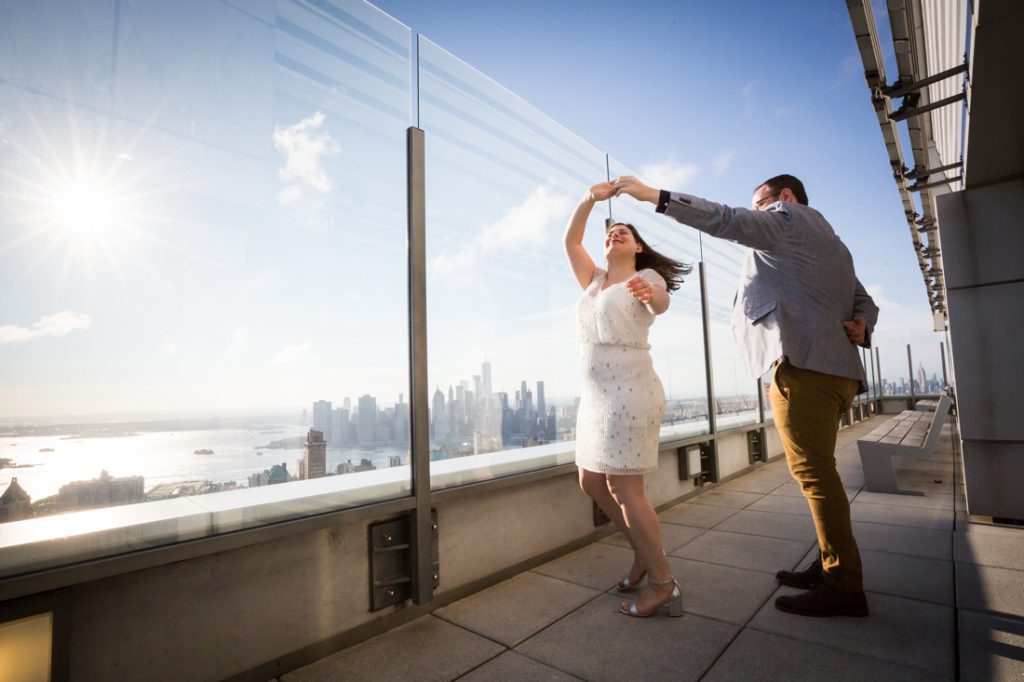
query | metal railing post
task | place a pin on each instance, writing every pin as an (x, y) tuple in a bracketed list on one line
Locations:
[(422, 531), (910, 372), (942, 356), (709, 374), (881, 381)]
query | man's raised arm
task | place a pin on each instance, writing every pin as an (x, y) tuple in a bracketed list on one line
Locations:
[(759, 230)]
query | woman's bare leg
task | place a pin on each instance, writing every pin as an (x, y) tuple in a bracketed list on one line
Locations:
[(645, 530), (598, 488)]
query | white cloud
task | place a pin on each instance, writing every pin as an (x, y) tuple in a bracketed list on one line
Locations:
[(721, 163), (304, 146), (289, 195), (169, 347), (58, 324), (528, 224), (566, 313), (294, 354), (875, 290), (459, 261), (898, 317), (524, 227), (670, 174)]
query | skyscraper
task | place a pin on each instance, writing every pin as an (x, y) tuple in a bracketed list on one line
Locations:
[(486, 373), (459, 405), (438, 420), (541, 407), (314, 460), (401, 425), (322, 418), (366, 427), (339, 426)]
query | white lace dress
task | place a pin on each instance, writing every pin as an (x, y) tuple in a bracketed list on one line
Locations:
[(621, 398)]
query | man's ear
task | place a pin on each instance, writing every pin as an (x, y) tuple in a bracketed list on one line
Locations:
[(787, 195)]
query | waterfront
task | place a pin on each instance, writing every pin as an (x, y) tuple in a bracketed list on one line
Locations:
[(162, 457)]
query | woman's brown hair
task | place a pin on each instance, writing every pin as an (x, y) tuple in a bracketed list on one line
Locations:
[(671, 270)]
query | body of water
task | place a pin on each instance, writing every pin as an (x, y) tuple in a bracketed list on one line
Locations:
[(162, 457)]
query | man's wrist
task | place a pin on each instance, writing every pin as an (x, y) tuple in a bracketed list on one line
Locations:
[(663, 199)]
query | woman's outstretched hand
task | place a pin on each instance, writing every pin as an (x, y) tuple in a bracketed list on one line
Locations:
[(627, 184), (602, 191), (641, 289)]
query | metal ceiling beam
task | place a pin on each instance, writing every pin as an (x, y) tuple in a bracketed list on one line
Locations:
[(912, 83)]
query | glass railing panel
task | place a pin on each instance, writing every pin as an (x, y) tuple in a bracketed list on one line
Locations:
[(892, 366), (677, 337), (926, 359), (736, 402), (921, 373), (502, 181), (202, 258)]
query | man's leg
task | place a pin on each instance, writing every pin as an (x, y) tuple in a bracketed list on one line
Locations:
[(806, 408)]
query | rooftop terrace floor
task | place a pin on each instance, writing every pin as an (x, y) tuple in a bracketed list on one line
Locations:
[(946, 597)]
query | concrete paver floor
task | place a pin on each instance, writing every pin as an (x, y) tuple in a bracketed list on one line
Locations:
[(946, 597)]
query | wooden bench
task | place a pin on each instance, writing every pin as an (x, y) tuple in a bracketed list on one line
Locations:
[(911, 432)]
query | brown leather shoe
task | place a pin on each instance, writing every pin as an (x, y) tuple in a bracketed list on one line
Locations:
[(824, 600), (807, 579)]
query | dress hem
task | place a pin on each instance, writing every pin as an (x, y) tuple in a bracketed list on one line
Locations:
[(617, 472)]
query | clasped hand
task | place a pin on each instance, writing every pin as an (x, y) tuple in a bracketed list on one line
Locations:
[(602, 191), (626, 184)]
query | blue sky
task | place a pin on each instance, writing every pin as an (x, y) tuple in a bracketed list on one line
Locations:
[(728, 93), (205, 219), (715, 96)]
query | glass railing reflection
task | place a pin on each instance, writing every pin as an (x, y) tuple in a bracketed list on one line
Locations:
[(736, 396), (212, 267), (677, 336), (503, 180)]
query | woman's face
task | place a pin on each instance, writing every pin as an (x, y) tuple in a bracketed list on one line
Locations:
[(619, 239)]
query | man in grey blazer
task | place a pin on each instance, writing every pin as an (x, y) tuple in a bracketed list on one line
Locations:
[(801, 311)]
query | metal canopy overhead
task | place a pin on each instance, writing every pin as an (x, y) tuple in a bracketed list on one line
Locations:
[(929, 39), (962, 112)]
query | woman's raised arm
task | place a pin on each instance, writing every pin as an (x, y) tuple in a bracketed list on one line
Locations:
[(580, 262)]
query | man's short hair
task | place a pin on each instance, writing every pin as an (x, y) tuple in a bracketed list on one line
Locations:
[(790, 182)]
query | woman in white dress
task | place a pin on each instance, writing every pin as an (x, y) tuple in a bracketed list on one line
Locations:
[(622, 399)]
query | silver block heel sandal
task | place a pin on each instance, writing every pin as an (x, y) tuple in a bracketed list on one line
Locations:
[(674, 602), (625, 585)]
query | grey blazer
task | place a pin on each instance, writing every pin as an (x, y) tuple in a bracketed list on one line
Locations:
[(796, 288)]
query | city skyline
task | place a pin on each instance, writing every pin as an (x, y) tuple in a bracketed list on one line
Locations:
[(473, 416)]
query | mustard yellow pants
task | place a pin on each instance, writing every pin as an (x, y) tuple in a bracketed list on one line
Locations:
[(806, 406)]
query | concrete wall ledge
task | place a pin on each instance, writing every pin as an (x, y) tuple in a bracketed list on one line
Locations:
[(251, 609)]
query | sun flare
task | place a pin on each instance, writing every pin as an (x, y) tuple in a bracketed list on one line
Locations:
[(84, 206)]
